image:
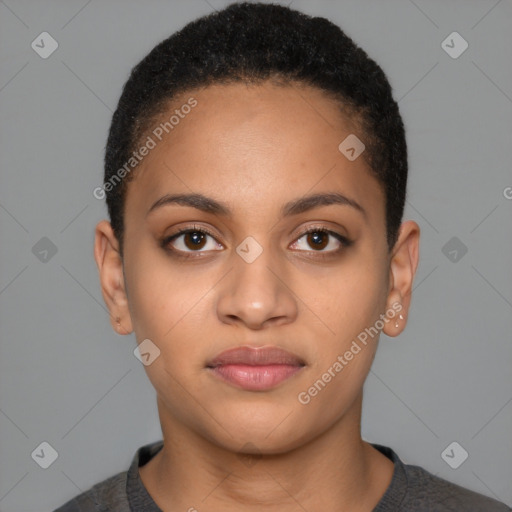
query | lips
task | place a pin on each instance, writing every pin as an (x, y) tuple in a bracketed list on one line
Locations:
[(256, 356), (255, 369)]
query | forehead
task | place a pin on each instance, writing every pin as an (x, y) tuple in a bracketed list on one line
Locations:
[(254, 146)]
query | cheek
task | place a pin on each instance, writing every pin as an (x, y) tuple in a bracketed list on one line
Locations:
[(347, 298), (163, 294), (172, 306), (349, 301), (343, 357)]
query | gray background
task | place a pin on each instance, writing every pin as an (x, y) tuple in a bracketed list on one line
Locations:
[(66, 378)]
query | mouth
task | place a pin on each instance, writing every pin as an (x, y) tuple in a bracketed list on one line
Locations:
[(255, 369)]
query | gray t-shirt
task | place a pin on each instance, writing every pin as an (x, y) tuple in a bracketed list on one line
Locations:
[(412, 489)]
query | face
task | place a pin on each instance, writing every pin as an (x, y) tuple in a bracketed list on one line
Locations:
[(278, 240)]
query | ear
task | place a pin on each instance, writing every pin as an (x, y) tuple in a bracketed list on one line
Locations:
[(110, 268), (402, 268)]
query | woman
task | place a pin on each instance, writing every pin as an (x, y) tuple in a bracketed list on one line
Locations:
[(255, 176)]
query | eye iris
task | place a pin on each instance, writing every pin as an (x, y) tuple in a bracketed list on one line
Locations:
[(317, 239), (197, 240)]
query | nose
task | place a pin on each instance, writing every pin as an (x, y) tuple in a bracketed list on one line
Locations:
[(256, 294)]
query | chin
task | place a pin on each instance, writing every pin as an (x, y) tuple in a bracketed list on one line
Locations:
[(267, 437)]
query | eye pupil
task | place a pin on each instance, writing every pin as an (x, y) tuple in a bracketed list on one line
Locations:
[(318, 239), (196, 238)]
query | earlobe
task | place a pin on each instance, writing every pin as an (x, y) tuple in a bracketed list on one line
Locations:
[(402, 269), (110, 268)]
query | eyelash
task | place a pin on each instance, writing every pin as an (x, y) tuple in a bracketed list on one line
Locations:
[(165, 243)]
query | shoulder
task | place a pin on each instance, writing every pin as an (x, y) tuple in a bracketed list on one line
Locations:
[(431, 492), (413, 488), (117, 492), (108, 495)]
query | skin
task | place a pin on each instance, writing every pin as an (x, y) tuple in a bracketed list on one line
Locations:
[(256, 148)]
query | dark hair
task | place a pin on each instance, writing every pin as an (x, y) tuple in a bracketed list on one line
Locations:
[(253, 42)]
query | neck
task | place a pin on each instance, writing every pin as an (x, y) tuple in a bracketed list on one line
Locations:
[(337, 470)]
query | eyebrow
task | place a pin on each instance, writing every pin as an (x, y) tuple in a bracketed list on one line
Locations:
[(295, 207)]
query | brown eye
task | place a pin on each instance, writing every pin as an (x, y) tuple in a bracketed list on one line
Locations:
[(194, 240), (321, 240), (318, 239), (191, 240)]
